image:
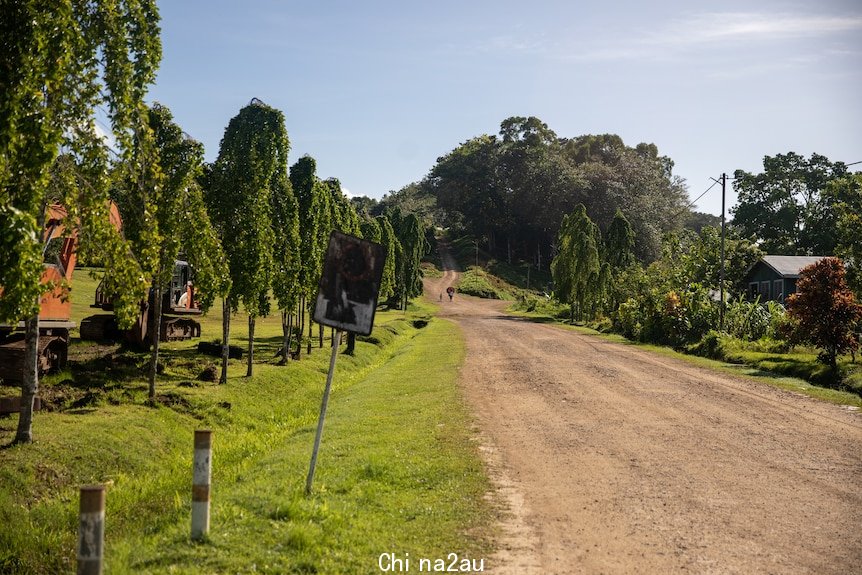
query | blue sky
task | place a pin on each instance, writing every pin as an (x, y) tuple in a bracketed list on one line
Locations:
[(377, 91)]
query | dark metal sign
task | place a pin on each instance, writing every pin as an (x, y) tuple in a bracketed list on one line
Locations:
[(350, 283)]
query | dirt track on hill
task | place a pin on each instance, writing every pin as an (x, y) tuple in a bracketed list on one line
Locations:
[(616, 460)]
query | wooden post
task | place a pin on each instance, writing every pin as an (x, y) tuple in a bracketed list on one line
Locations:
[(201, 484), (91, 530), (310, 479)]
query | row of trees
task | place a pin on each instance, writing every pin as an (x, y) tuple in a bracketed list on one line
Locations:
[(250, 227)]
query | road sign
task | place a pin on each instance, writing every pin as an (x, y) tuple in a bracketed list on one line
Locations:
[(350, 283)]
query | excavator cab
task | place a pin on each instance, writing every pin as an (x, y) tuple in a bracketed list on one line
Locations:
[(178, 303)]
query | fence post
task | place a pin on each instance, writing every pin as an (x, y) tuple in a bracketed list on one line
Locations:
[(201, 484), (91, 530)]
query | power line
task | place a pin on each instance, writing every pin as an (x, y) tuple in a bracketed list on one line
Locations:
[(693, 202)]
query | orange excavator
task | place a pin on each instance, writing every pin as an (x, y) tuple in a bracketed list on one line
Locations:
[(55, 307)]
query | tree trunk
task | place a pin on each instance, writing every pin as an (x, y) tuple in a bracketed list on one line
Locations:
[(286, 321), (251, 322), (320, 335), (310, 332), (300, 320), (351, 343), (155, 329), (225, 335), (30, 383)]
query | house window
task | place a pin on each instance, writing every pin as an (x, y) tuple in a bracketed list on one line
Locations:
[(764, 290), (778, 290)]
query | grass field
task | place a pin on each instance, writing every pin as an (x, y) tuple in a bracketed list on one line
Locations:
[(398, 470)]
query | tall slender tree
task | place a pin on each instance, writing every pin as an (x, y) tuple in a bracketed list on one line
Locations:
[(286, 275), (393, 250), (241, 185), (163, 214), (308, 190), (577, 266), (59, 63)]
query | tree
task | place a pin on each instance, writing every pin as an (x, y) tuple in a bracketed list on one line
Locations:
[(846, 197), (393, 251), (514, 189), (618, 255), (59, 63), (241, 185), (309, 193), (577, 266), (286, 257), (163, 214), (785, 208), (825, 309), (411, 238)]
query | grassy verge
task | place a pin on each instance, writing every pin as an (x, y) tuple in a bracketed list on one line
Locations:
[(477, 282), (397, 470)]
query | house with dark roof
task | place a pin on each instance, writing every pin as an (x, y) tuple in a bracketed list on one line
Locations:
[(774, 277)]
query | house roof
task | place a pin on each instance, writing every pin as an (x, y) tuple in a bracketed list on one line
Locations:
[(790, 266)]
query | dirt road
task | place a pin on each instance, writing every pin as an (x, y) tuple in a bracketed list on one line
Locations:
[(616, 460)]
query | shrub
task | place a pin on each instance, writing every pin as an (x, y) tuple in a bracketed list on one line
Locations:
[(826, 309)]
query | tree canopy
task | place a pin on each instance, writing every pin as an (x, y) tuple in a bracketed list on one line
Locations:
[(785, 207), (514, 189), (60, 64)]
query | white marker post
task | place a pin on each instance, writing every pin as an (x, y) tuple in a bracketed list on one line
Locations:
[(310, 479), (201, 484), (91, 530)]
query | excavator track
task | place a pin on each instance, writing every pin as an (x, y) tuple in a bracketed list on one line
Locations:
[(53, 352)]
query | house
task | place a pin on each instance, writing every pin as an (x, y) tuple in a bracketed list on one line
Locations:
[(774, 277)]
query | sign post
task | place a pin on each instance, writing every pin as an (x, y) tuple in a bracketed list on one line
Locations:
[(346, 301)]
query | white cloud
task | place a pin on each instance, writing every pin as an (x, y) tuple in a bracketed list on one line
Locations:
[(347, 192), (729, 29), (716, 27)]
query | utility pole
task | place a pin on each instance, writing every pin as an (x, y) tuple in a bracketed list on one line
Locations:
[(721, 276)]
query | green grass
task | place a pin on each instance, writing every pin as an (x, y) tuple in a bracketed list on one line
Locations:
[(397, 471), (477, 282), (800, 362)]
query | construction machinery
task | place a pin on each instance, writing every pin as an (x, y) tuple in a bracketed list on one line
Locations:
[(60, 242), (179, 306), (55, 308)]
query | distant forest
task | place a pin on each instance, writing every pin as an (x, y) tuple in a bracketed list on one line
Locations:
[(510, 191)]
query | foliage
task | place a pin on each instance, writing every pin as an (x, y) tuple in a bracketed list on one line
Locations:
[(285, 226), (513, 190), (309, 194), (60, 62), (371, 229), (393, 253), (245, 184), (163, 211), (826, 309), (785, 207), (343, 214), (413, 247), (477, 282), (576, 268), (249, 170), (846, 196)]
